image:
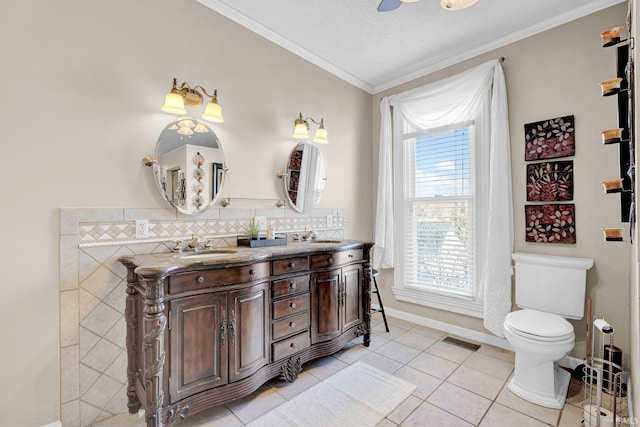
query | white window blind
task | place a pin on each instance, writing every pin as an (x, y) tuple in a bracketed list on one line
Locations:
[(439, 212)]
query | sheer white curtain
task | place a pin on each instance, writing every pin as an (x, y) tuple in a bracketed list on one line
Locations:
[(477, 95)]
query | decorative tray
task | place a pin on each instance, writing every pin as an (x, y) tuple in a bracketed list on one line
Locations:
[(257, 242)]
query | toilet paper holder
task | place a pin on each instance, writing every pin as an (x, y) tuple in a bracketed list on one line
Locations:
[(603, 372)]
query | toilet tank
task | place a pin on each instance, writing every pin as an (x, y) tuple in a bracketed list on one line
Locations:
[(554, 284)]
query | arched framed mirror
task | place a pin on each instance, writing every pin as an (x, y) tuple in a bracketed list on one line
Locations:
[(189, 166), (304, 177)]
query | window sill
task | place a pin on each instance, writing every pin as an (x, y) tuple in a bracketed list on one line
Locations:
[(457, 304)]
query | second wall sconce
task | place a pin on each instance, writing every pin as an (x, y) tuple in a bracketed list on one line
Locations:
[(301, 130), (182, 95)]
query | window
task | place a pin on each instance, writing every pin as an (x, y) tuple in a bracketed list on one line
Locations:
[(436, 207)]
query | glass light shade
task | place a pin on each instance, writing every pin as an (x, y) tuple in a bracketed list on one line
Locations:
[(186, 123), (201, 128), (185, 131), (174, 104), (213, 113), (321, 136), (456, 4), (300, 131)]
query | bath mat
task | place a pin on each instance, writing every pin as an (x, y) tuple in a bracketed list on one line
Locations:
[(460, 343), (357, 396)]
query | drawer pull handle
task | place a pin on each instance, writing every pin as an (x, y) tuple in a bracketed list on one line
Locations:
[(200, 279), (330, 260), (292, 324), (350, 255), (292, 305), (293, 285), (293, 345), (292, 264), (252, 273)]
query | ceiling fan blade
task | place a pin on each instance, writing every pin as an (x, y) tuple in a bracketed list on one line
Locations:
[(389, 5)]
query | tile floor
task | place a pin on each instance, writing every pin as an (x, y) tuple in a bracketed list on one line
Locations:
[(455, 386)]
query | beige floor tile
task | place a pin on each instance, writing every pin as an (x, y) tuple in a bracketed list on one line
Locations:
[(429, 415), (377, 341), (405, 409), (324, 367), (547, 415), (427, 332), (425, 383), (351, 353), (220, 416), (415, 340), (497, 352), (477, 382), (260, 402), (382, 362), (501, 416), (489, 365), (449, 351), (123, 420), (387, 423), (399, 323), (433, 365), (464, 404), (398, 352), (571, 416)]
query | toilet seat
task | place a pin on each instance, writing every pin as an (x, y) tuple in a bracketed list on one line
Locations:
[(538, 325)]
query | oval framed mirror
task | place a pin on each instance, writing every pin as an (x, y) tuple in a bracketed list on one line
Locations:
[(304, 177), (189, 165)]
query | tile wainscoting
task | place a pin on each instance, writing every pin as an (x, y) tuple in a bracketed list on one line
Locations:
[(93, 358)]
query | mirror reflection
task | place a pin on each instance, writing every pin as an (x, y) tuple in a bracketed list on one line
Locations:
[(190, 166), (304, 176)]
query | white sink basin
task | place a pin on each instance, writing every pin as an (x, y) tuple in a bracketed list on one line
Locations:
[(207, 253)]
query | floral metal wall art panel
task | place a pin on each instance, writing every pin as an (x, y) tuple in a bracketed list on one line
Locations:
[(550, 139), (550, 223), (550, 181)]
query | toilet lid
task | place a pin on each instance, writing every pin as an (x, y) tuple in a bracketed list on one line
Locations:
[(539, 323)]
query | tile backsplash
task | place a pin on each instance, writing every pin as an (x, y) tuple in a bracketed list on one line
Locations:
[(93, 359)]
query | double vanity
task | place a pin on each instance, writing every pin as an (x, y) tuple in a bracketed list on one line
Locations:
[(205, 328)]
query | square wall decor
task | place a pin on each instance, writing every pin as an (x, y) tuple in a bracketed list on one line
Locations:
[(550, 139), (550, 223), (550, 181)]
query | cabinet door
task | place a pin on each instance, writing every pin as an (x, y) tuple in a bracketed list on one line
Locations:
[(198, 344), (248, 330), (352, 296), (325, 306)]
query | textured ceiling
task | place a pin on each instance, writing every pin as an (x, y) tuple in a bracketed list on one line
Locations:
[(376, 51)]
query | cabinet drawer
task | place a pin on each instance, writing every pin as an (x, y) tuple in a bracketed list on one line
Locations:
[(290, 265), (290, 346), (336, 258), (290, 286), (217, 277), (290, 325), (290, 305)]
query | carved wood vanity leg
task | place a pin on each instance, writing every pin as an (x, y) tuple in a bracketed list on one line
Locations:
[(366, 297), (155, 322), (132, 345)]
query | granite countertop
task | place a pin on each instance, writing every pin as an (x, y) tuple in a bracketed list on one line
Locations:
[(168, 262)]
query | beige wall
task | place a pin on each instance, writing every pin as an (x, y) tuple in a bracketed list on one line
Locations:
[(84, 82), (549, 75)]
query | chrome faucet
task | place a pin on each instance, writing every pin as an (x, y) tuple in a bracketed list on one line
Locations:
[(308, 234)]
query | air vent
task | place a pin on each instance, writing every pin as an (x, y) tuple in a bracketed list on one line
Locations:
[(460, 343)]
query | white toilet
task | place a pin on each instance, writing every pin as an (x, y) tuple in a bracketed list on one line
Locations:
[(548, 290)]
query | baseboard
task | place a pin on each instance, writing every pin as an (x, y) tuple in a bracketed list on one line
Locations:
[(450, 329)]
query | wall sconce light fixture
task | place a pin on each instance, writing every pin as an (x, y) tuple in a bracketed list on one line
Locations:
[(183, 95), (301, 130)]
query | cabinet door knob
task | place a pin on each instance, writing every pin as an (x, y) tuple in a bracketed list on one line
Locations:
[(252, 273), (293, 345), (350, 255), (200, 279), (293, 285), (330, 260), (292, 305), (292, 264), (292, 324)]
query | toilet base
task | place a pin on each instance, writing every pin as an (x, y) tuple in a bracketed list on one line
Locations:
[(555, 400)]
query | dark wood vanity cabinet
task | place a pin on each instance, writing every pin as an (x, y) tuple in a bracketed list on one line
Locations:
[(202, 335)]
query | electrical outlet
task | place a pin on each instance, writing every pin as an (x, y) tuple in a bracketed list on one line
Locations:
[(329, 220), (260, 222), (142, 228)]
